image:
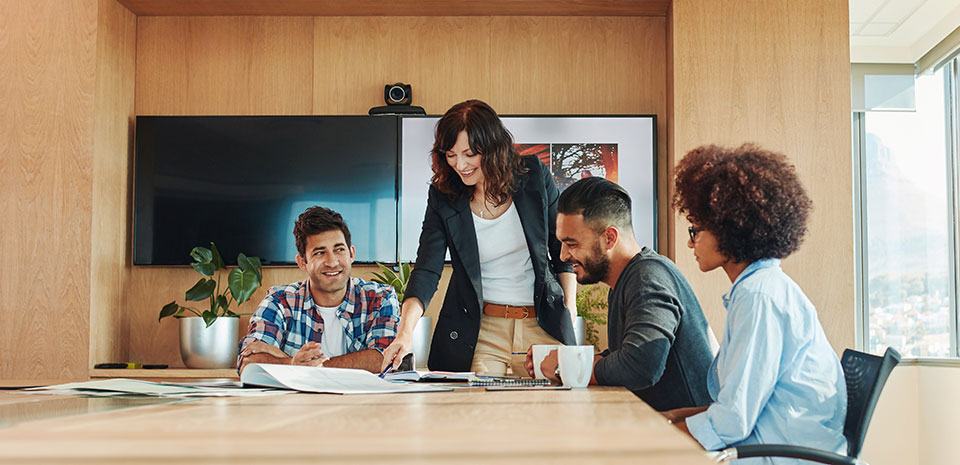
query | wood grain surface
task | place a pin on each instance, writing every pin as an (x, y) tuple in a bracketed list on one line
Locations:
[(224, 66), (397, 8), (47, 86), (776, 74), (596, 425), (112, 166)]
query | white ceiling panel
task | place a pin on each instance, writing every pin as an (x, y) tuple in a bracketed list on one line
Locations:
[(877, 29), (907, 29), (897, 11), (862, 10)]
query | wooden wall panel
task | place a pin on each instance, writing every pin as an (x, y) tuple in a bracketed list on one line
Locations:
[(46, 136), (224, 65), (774, 73), (397, 7), (519, 65), (112, 161)]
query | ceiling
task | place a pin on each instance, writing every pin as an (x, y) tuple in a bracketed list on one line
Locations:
[(899, 31)]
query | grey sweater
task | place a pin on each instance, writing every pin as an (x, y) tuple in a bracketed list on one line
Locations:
[(657, 335)]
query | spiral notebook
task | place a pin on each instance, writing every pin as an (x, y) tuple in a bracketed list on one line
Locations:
[(509, 382)]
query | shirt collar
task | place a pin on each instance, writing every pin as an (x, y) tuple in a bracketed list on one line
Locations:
[(346, 306), (749, 270)]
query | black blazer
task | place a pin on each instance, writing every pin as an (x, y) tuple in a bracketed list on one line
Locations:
[(450, 225)]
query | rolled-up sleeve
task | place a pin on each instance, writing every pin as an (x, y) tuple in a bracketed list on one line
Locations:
[(383, 322), (266, 325), (747, 371)]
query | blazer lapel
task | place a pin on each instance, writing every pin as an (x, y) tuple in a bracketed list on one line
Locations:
[(464, 237)]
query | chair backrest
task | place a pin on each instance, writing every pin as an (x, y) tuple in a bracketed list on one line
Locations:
[(865, 375)]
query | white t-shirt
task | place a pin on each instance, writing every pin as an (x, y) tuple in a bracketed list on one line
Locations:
[(331, 340), (506, 271)]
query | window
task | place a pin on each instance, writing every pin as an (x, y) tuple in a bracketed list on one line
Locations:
[(907, 259)]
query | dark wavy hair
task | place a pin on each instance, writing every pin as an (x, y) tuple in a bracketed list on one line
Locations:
[(500, 164), (316, 220), (749, 198)]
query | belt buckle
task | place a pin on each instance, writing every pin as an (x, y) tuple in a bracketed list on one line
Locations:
[(509, 314)]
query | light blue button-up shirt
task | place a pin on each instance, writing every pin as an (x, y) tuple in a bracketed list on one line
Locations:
[(776, 380)]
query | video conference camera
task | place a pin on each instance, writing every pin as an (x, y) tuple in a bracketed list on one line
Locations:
[(397, 97)]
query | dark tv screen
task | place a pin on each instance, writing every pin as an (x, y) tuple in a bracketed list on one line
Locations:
[(242, 181)]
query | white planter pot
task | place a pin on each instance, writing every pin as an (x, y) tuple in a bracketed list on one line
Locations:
[(213, 347), (580, 331), (422, 335)]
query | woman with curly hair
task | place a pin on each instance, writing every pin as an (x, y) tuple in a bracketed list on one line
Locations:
[(776, 380), (496, 213)]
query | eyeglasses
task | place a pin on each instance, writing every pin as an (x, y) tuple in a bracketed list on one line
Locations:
[(693, 233)]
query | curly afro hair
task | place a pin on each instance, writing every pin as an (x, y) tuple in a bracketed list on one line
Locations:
[(750, 199)]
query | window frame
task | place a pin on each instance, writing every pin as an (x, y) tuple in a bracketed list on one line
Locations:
[(953, 197), (952, 172)]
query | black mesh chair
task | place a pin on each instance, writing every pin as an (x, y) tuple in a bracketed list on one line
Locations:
[(865, 375)]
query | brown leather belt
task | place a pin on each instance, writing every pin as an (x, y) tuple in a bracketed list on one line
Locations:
[(509, 311)]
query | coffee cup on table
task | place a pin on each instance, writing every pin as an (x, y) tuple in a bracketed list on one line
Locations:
[(540, 351), (576, 365)]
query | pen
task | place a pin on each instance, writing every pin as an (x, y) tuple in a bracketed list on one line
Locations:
[(114, 366), (389, 367)]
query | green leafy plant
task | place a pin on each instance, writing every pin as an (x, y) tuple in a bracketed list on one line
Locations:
[(592, 306), (242, 282), (398, 279)]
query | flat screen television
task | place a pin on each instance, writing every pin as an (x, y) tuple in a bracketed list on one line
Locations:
[(242, 181), (621, 148)]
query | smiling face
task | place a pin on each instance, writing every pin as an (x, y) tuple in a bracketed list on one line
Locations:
[(464, 162), (582, 248), (328, 262)]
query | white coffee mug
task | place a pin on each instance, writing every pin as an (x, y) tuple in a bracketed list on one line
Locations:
[(540, 351), (576, 365)]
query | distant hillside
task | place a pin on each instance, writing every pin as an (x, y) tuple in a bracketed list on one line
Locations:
[(904, 234)]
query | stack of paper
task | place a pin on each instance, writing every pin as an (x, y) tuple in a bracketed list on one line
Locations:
[(325, 380), (125, 387)]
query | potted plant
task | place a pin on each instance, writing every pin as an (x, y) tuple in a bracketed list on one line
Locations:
[(421, 335), (208, 339), (591, 312)]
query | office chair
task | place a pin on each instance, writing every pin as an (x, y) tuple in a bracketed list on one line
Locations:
[(865, 376)]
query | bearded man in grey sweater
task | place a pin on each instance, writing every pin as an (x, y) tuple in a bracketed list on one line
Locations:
[(659, 346)]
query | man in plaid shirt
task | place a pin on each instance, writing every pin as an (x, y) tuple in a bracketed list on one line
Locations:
[(328, 319)]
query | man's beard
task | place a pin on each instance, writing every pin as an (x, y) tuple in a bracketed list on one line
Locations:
[(594, 268)]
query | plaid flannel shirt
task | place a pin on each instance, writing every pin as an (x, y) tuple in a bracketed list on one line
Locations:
[(287, 317)]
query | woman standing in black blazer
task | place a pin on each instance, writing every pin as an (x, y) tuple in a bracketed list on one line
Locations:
[(496, 213)]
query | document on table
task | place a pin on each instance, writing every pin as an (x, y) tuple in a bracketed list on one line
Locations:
[(325, 380), (122, 386), (428, 376)]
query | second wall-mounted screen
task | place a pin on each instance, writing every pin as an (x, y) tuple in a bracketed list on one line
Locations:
[(619, 148)]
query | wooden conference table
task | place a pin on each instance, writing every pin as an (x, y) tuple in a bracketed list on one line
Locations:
[(468, 425)]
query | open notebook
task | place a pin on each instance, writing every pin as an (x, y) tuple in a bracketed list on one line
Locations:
[(325, 380), (431, 376)]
